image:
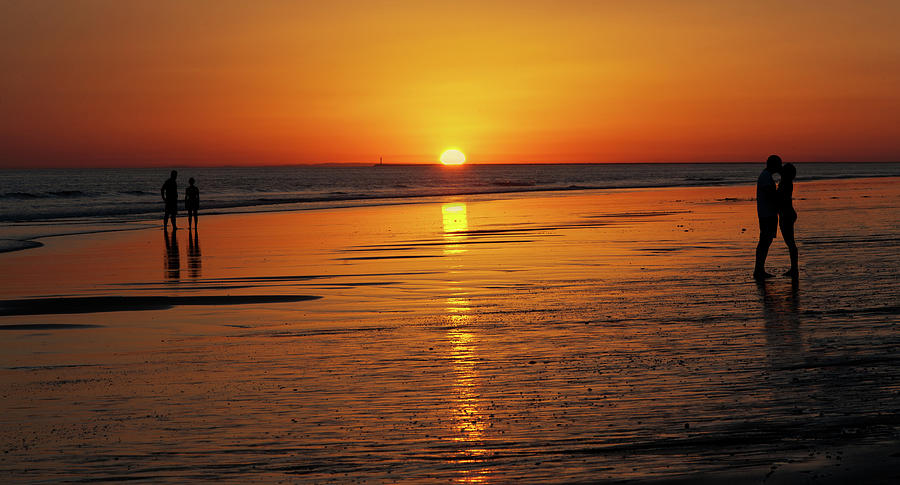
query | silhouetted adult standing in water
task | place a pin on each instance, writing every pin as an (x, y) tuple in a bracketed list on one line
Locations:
[(169, 193), (767, 211), (192, 202), (787, 215)]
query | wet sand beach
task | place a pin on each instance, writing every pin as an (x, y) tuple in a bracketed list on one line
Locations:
[(557, 337)]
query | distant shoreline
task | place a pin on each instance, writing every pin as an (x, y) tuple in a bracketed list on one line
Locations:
[(146, 218), (49, 195)]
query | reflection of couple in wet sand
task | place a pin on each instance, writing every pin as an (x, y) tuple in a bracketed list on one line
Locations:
[(775, 208), (172, 256)]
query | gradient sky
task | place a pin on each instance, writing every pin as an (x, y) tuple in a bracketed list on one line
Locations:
[(152, 83)]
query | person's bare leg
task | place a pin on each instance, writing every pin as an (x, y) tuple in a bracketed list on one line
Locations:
[(788, 235), (762, 250)]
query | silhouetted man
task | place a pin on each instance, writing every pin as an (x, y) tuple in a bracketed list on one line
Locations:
[(767, 211), (169, 193)]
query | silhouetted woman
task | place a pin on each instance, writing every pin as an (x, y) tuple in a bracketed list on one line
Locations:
[(787, 214)]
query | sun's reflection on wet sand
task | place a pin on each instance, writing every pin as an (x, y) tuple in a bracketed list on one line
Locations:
[(456, 223), (470, 421)]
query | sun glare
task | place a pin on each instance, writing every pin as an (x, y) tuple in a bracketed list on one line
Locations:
[(453, 157)]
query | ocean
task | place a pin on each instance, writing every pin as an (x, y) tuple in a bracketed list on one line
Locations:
[(129, 194)]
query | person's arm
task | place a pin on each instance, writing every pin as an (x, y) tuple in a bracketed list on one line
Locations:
[(162, 192), (770, 189)]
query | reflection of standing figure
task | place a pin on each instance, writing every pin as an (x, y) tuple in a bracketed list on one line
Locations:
[(194, 254), (192, 202), (782, 312), (172, 258), (787, 215)]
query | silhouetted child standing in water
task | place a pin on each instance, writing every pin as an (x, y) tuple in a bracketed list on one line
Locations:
[(787, 215), (192, 202)]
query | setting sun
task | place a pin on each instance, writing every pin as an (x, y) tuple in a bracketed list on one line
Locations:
[(453, 157)]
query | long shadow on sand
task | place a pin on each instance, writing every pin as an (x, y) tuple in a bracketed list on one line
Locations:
[(97, 304), (47, 326)]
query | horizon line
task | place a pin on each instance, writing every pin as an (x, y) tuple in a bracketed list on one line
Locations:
[(396, 164)]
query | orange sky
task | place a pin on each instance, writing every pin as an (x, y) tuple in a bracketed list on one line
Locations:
[(107, 83)]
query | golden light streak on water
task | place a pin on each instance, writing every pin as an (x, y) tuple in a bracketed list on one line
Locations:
[(469, 420), (456, 223)]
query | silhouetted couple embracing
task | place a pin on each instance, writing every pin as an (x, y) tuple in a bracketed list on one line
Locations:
[(775, 207)]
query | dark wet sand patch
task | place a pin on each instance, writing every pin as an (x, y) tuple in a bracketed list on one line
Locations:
[(272, 279), (159, 286), (621, 215), (50, 367), (413, 256), (679, 248), (354, 284), (8, 245), (312, 332), (47, 326), (883, 310), (216, 282), (525, 230), (324, 284), (735, 199), (508, 231), (409, 246), (843, 362), (98, 304), (850, 240)]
